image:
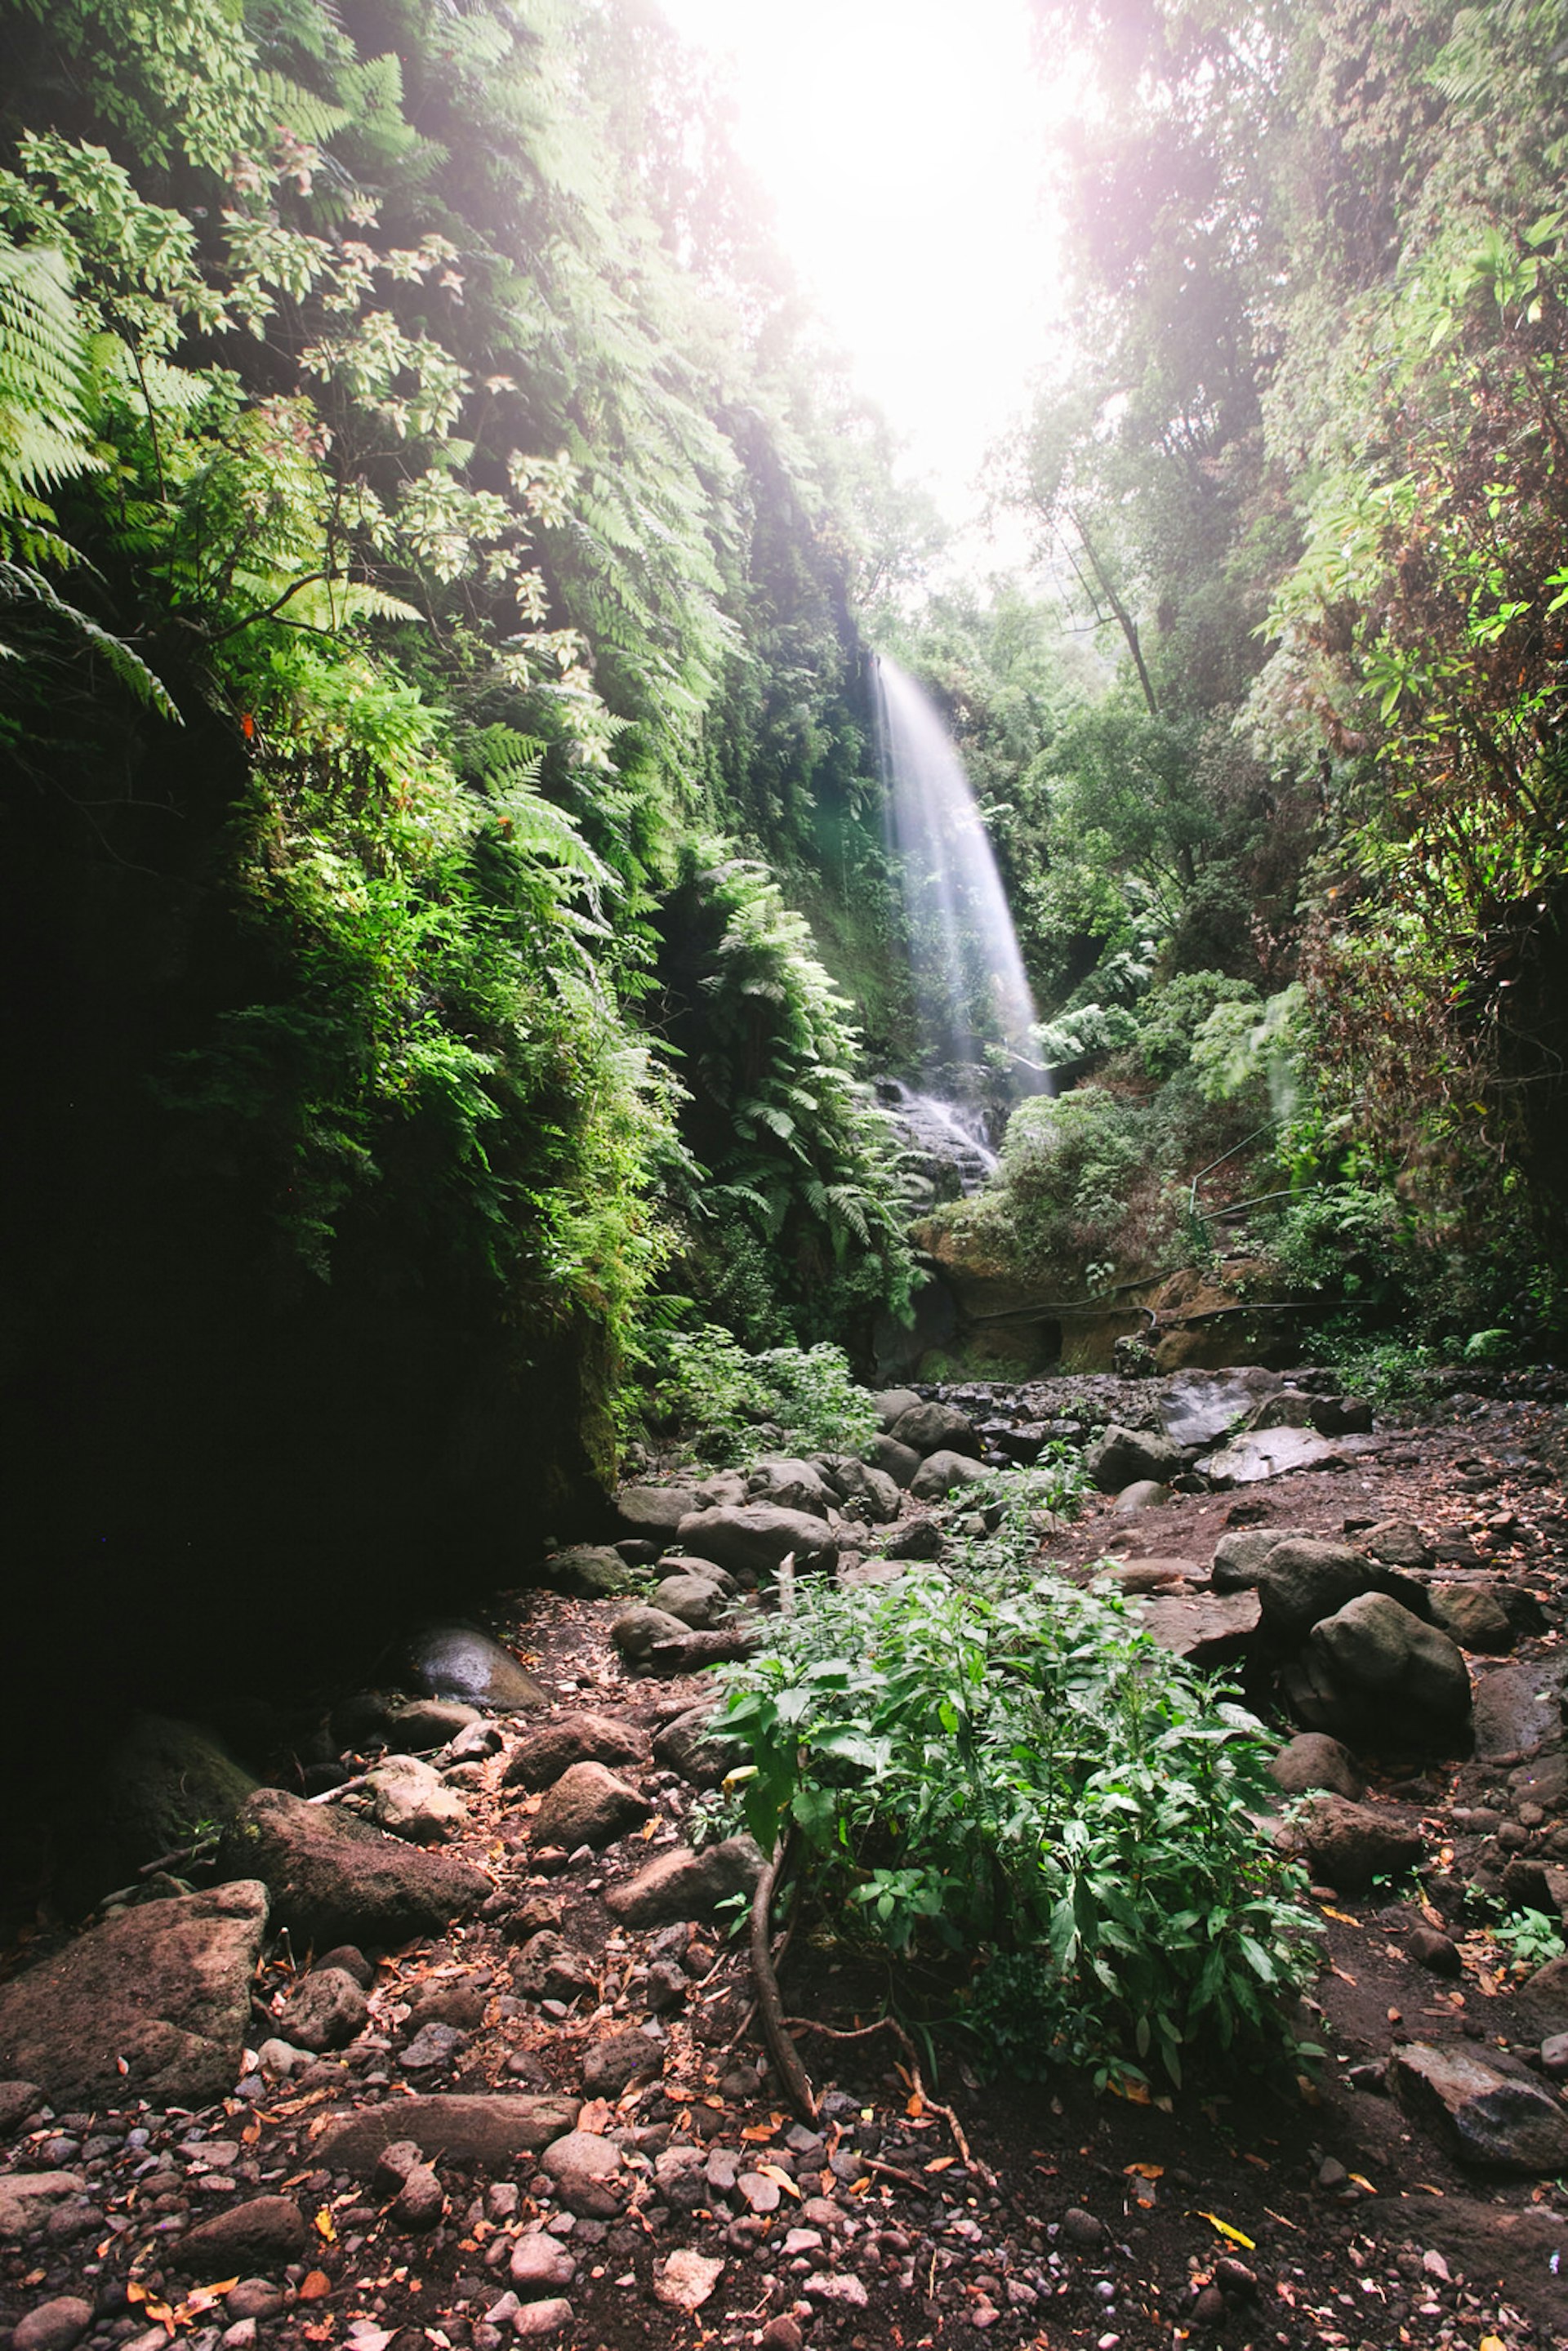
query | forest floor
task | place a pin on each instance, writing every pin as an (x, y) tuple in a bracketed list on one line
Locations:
[(1243, 2211)]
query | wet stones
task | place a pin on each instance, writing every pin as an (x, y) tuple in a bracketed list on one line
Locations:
[(335, 1879), (541, 1756), (590, 1805), (457, 1661), (1374, 1672)]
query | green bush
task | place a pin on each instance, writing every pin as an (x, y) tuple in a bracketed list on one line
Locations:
[(1013, 1768), (714, 1394)]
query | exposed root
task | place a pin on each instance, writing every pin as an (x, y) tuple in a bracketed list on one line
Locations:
[(933, 2105), (769, 2006)]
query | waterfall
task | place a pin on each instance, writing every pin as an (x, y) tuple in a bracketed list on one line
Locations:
[(969, 984)]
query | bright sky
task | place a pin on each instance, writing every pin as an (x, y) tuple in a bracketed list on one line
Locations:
[(903, 144)]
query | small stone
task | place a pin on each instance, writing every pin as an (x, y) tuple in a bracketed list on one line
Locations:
[(1235, 2279), (687, 2279), (585, 2168), (433, 2048), (1314, 1760), (421, 2200), (266, 2233), (538, 2267), (761, 2194), (325, 2010), (252, 2298), (53, 2325), (17, 2101), (1208, 2310), (1554, 2054), (781, 2334), (394, 2165), (665, 1988), (240, 2336), (589, 1805), (1331, 2175), (537, 2319), (1350, 1845), (1080, 2227), (612, 2064), (836, 2286), (1430, 1949)]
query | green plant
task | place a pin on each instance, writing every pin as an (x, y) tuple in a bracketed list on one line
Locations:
[(1012, 1770), (1532, 1937), (706, 1384)]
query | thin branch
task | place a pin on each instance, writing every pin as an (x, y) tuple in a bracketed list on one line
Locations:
[(770, 2007)]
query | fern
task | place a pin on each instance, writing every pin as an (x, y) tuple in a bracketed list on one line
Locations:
[(44, 436)]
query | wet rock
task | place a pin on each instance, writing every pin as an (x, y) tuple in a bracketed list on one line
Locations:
[(410, 1799), (921, 1539), (335, 1879), (654, 1512), (612, 2064), (685, 1885), (891, 1405), (750, 1540), (896, 1461), (693, 1747), (590, 1805), (1142, 1494), (1300, 1580), (56, 2325), (1374, 1672), (1471, 1615), (27, 2198), (1312, 1760), (589, 1571), (1487, 2118), (687, 2279), (1124, 1455), (641, 1630), (586, 2171), (455, 1661), (265, 2233), (1350, 1845), (1212, 1629), (421, 2202), (698, 1602), (491, 2131), (325, 2010), (942, 1473), (1518, 1709), (164, 1986), (539, 2266), (541, 1756), (928, 1428), (1270, 1453)]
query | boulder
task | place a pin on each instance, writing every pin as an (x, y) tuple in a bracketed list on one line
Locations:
[(541, 1756), (929, 1428), (1311, 1760), (639, 1632), (653, 1512), (1518, 1709), (1396, 1543), (266, 2233), (697, 1602), (789, 1485), (27, 2198), (1342, 1416), (1211, 1629), (590, 1805), (941, 1472), (164, 1986), (549, 1968), (1493, 2120), (335, 1879), (410, 1799), (589, 1571), (685, 1885), (1287, 1408), (871, 1493), (752, 1539), (891, 1405), (586, 2171), (1301, 1580), (163, 1781), (455, 1661), (1122, 1456), (693, 1746), (406, 1726), (55, 2325), (1350, 1845), (1196, 1407), (1239, 1554), (612, 2064), (1471, 1615), (921, 1539), (896, 1461), (1270, 1453), (489, 2131), (1142, 1494), (1374, 1674), (326, 2010)]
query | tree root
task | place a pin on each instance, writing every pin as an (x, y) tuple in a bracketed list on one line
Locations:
[(769, 2006), (981, 2172)]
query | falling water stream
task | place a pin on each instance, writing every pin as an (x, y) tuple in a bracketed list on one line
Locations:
[(970, 983)]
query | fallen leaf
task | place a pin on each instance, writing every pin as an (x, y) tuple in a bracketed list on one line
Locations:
[(1492, 2342), (940, 2163), (596, 2117), (325, 2228), (780, 2178), (1236, 2236), (1341, 1975), (917, 2105), (649, 1829), (1362, 2182), (318, 2330), (756, 2132), (314, 2284), (1145, 2170), (1259, 2162), (1342, 1916)]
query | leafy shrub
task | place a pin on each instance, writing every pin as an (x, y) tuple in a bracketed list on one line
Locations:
[(711, 1389), (1013, 1768)]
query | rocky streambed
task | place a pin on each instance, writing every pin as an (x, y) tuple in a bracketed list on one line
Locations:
[(449, 2040)]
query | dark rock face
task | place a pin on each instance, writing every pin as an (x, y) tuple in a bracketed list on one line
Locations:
[(1489, 2119), (455, 1661), (335, 1879), (491, 2130), (1122, 1456), (1374, 1672), (156, 1785), (165, 1986), (1350, 1845), (1518, 1709), (539, 1758), (750, 1540)]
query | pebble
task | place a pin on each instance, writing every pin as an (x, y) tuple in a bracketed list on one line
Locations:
[(1080, 2227)]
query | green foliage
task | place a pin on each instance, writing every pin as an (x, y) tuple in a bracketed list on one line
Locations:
[(704, 1384), (980, 1762), (1530, 1940)]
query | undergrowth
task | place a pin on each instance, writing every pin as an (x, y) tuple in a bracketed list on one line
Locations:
[(726, 1404), (996, 1769)]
